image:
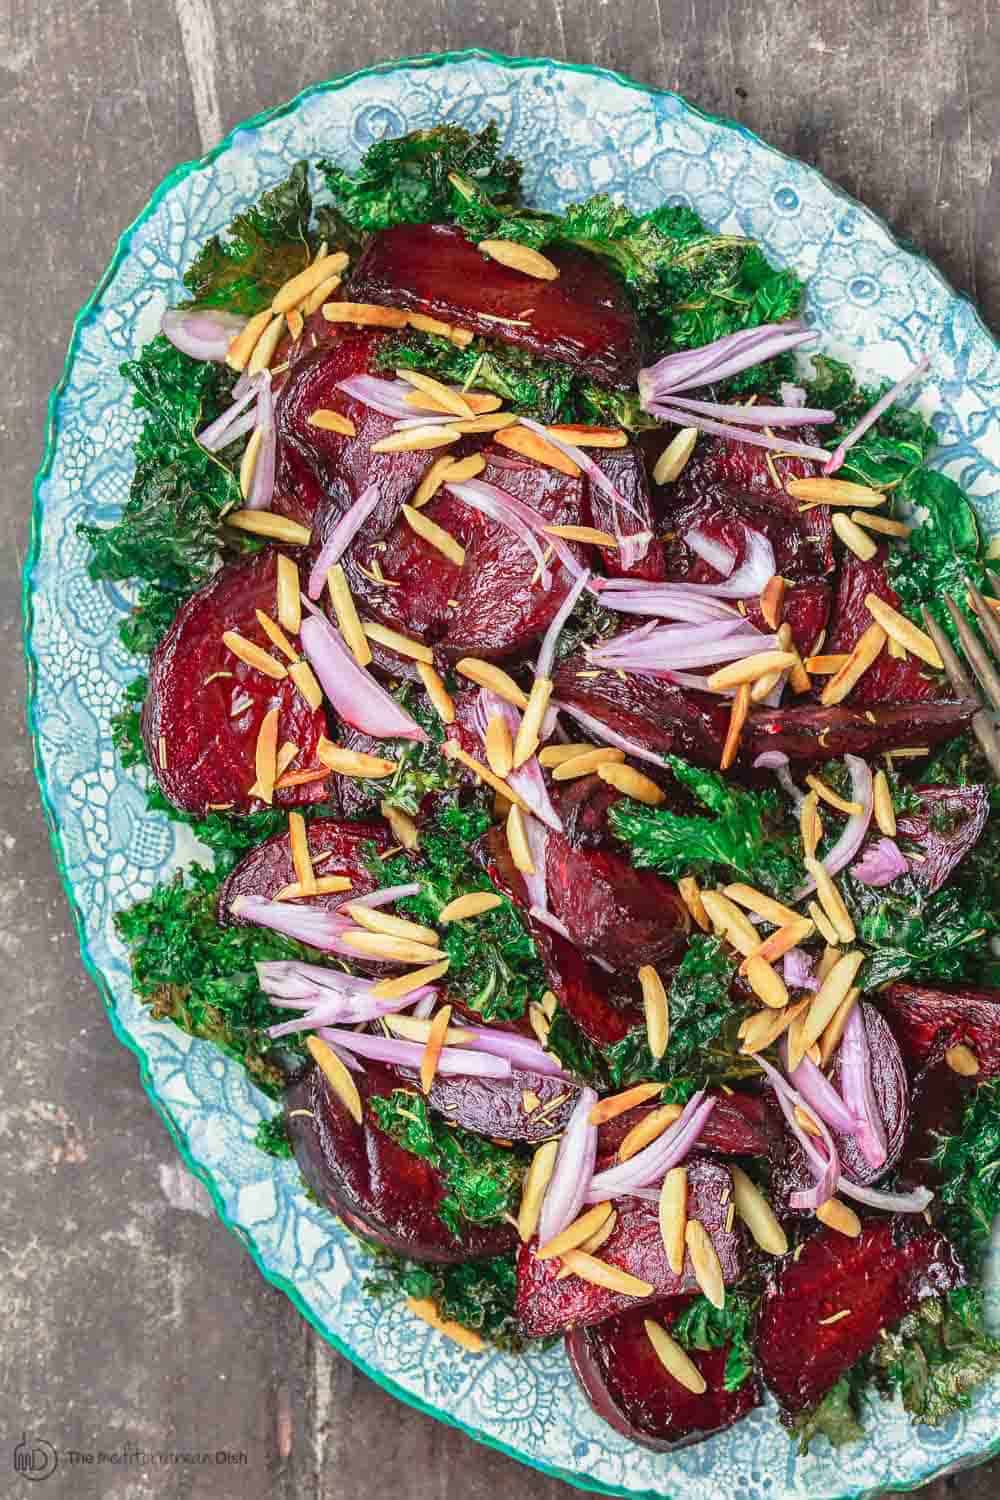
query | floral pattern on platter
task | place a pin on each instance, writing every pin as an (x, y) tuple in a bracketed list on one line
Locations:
[(579, 131)]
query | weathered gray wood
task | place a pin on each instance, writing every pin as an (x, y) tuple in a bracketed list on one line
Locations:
[(127, 1313)]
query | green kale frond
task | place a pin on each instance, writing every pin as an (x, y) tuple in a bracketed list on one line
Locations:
[(838, 1415), (943, 553), (969, 1162), (937, 1356), (479, 1294), (263, 246), (703, 1326)]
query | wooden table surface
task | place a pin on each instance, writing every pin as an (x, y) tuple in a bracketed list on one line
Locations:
[(128, 1314)]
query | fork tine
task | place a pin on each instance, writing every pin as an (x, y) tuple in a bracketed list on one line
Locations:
[(989, 620), (975, 652), (982, 727), (962, 684), (994, 581)]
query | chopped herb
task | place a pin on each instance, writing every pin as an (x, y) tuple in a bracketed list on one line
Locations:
[(937, 1356), (272, 1136), (480, 1294), (969, 1162), (702, 1326)]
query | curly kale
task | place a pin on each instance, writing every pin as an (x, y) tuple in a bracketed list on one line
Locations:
[(704, 1326), (969, 1162), (480, 1294), (271, 1136), (910, 933), (422, 770), (943, 553), (837, 1417), (937, 1356)]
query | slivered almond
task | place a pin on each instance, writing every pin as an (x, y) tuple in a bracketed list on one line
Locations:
[(766, 983), (404, 829), (620, 1104), (289, 603), (861, 658), (630, 781), (529, 730), (676, 1361), (772, 600), (600, 1273), (266, 757), (347, 615), (478, 402), (365, 312), (520, 258), (730, 922), (396, 989), (835, 492), (298, 839), (595, 1242), (299, 778), (415, 439), (424, 324), (826, 927), (827, 999), (810, 824), (326, 885), (354, 762), (375, 920), (895, 650), (297, 288), (757, 1214), (781, 941), (517, 842), (554, 755), (760, 1030), (962, 1060), (857, 541), (831, 901), (830, 1040), (589, 437), (466, 1338), (760, 904), (690, 894), (411, 1029), (826, 666), (749, 669), (499, 746), (434, 535), (472, 905), (243, 344), (881, 524), (431, 482), (248, 463), (253, 655), (737, 719), (522, 440), (575, 1234), (416, 650), (490, 421), (705, 1262), (837, 1215), (276, 635), (394, 949), (486, 675), (286, 754), (263, 350), (589, 535), (673, 1216), (832, 798), (452, 751), (447, 399), (900, 629), (529, 1101), (648, 1129), (535, 1184), (673, 460), (806, 1121), (322, 294), (304, 678), (328, 420), (266, 523), (583, 763), (539, 1024), (828, 958), (655, 1009), (885, 813), (436, 691), (337, 1076), (798, 678)]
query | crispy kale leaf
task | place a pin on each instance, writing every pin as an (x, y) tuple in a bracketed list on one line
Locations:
[(422, 769), (702, 1326), (271, 1136), (262, 248), (749, 834), (494, 966), (838, 1415), (937, 1356), (969, 1162), (909, 933), (482, 1181), (480, 1294), (942, 553)]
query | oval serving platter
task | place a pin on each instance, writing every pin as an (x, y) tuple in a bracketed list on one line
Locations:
[(579, 131)]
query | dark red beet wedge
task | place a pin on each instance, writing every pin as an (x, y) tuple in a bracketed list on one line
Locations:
[(739, 1125), (386, 1193), (582, 318), (876, 1279), (268, 869), (806, 610), (949, 822), (887, 679), (625, 916), (938, 1099), (724, 515), (546, 1305), (627, 472), (201, 753), (497, 1107), (656, 715), (925, 1021), (816, 734), (626, 1384)]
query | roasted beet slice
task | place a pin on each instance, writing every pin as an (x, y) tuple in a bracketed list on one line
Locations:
[(359, 1171), (546, 1305), (625, 917), (201, 752), (337, 847), (583, 805), (627, 1385), (582, 318), (925, 1021), (876, 1279), (504, 1109), (739, 1125), (949, 822), (887, 680), (816, 734), (725, 515), (657, 715), (627, 472), (806, 610)]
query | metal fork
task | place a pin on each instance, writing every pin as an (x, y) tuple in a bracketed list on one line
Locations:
[(986, 686)]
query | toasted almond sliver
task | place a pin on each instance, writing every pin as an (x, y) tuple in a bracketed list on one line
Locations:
[(865, 652), (673, 1216), (881, 524), (264, 349), (472, 905), (760, 904), (737, 719), (286, 754), (837, 1215), (375, 920), (826, 928), (781, 941), (328, 420), (520, 258), (760, 1030), (831, 901), (348, 619), (517, 842), (486, 675), (535, 1183), (364, 312), (248, 463), (620, 1104), (326, 885), (289, 602), (649, 1129), (432, 1050), (415, 439), (453, 751), (276, 635), (337, 1076), (529, 731), (829, 796), (297, 288), (675, 1360), (962, 1060), (402, 644), (266, 523), (354, 762), (830, 1040), (575, 1234), (766, 983), (444, 397), (900, 629), (895, 650), (554, 755), (424, 324), (304, 678), (253, 655), (656, 1010), (828, 998), (630, 781), (499, 746), (589, 535), (322, 294), (436, 691), (826, 666), (857, 541), (539, 1024), (600, 1273), (490, 421), (478, 401), (749, 669), (835, 492), (806, 1121), (435, 535), (404, 830), (772, 600), (393, 949), (589, 437), (583, 763), (396, 989), (690, 894), (467, 1338), (522, 440), (243, 344), (730, 922), (299, 778), (266, 756), (431, 482), (673, 460), (705, 1262), (757, 1214), (298, 839), (595, 1242)]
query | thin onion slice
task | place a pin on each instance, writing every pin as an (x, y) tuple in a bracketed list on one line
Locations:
[(262, 487), (573, 1170), (652, 1163), (736, 434), (913, 1202), (341, 537), (384, 896), (385, 396), (610, 736), (797, 969), (820, 1094), (550, 920), (312, 925), (221, 432), (204, 333), (758, 416), (825, 1167), (870, 417), (858, 1089), (633, 546), (547, 651), (777, 761), (347, 1011), (527, 779), (507, 511), (719, 557), (453, 1060), (520, 1051), (882, 862), (855, 828), (354, 694)]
